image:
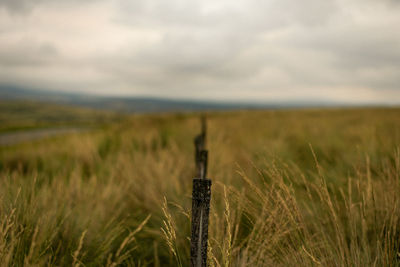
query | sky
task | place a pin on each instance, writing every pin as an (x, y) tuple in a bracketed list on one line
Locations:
[(345, 51)]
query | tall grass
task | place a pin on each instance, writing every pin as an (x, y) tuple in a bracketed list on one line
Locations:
[(304, 188), (288, 219)]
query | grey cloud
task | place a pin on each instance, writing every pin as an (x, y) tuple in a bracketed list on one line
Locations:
[(23, 7), (241, 16), (19, 6), (28, 53), (244, 48), (348, 55), (354, 47), (211, 43)]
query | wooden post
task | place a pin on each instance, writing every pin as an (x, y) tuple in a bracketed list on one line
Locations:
[(200, 145), (200, 203), (200, 214)]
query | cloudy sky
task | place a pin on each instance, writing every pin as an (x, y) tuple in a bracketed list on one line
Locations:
[(271, 50)]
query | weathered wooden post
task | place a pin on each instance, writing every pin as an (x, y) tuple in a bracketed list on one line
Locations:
[(200, 145), (201, 197)]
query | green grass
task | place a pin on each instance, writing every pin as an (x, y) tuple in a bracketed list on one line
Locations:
[(290, 187), (26, 115)]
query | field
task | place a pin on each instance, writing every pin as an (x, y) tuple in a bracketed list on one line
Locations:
[(308, 187)]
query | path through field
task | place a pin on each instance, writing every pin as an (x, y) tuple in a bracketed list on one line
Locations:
[(30, 135)]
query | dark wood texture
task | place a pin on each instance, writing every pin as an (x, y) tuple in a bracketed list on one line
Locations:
[(200, 214)]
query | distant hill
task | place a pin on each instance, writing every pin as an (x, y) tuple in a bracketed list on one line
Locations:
[(122, 104), (138, 104)]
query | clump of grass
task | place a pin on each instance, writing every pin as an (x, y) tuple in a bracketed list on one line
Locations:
[(355, 225), (169, 233)]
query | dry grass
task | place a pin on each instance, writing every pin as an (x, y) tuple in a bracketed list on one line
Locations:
[(310, 188)]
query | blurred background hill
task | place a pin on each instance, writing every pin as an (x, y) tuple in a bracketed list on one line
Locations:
[(144, 104)]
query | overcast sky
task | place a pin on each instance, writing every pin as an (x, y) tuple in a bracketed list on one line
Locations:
[(271, 50)]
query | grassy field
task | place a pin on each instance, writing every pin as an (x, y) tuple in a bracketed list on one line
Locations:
[(290, 188), (28, 115)]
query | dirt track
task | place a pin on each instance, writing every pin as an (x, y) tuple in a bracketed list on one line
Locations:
[(30, 135)]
